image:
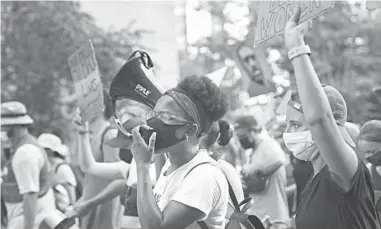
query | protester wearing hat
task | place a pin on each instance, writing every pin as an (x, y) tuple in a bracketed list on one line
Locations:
[(101, 131), (124, 170), (185, 194), (26, 188), (369, 143), (63, 173), (264, 174), (339, 194)]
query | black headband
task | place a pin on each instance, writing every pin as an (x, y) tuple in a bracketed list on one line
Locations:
[(204, 117)]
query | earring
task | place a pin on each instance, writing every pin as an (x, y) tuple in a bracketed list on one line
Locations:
[(187, 137)]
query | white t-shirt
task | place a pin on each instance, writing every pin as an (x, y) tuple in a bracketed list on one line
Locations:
[(27, 164), (204, 188), (65, 175)]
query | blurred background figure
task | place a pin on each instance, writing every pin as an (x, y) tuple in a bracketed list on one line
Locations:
[(369, 143), (65, 181), (264, 175), (25, 188)]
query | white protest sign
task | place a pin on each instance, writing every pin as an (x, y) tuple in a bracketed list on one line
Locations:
[(274, 14), (87, 81), (218, 75)]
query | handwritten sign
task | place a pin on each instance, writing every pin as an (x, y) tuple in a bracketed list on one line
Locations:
[(274, 14), (87, 81)]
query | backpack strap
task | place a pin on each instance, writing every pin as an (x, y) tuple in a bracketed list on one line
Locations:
[(102, 140), (202, 224)]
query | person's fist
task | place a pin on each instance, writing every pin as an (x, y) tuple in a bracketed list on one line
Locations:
[(79, 209), (80, 125), (294, 32)]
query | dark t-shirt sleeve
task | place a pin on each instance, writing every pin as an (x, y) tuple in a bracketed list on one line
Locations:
[(361, 183)]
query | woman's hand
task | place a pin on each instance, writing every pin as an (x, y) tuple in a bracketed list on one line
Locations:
[(79, 209), (81, 126), (294, 32), (143, 154)]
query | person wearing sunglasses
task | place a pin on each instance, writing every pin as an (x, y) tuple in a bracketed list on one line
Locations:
[(190, 188), (100, 131), (123, 174), (339, 194)]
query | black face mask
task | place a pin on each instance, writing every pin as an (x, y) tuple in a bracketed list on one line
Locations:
[(125, 155), (246, 143), (375, 159), (165, 134)]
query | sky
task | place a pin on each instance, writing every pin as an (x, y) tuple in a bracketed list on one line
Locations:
[(109, 14)]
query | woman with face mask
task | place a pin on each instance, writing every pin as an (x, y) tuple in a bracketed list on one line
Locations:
[(339, 194), (369, 144), (191, 190)]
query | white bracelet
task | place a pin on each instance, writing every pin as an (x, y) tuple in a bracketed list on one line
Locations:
[(297, 51)]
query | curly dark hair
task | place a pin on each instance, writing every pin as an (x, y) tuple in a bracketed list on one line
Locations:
[(214, 101), (219, 129)]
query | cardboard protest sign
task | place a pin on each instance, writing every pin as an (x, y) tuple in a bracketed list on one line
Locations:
[(274, 14), (87, 81)]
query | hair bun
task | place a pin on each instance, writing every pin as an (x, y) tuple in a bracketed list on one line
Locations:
[(214, 101), (226, 132)]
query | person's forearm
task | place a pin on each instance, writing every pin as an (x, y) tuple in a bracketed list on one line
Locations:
[(149, 213), (314, 101), (114, 189), (87, 157), (29, 206), (71, 190)]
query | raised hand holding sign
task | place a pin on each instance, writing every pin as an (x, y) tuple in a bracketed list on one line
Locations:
[(273, 15), (294, 32)]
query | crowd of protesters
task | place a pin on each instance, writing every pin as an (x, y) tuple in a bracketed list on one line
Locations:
[(194, 167)]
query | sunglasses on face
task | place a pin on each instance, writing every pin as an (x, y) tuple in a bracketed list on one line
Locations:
[(167, 118)]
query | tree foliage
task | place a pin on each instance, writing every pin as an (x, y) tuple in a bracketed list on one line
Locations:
[(346, 51), (37, 38)]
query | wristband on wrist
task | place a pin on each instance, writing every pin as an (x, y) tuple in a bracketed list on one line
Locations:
[(298, 51)]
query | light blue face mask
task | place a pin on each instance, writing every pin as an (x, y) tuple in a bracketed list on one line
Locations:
[(299, 143)]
